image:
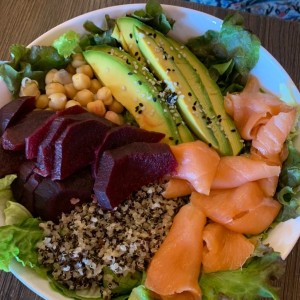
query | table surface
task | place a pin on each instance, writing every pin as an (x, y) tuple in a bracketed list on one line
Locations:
[(23, 21)]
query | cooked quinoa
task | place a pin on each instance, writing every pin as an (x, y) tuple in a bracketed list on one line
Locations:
[(83, 243)]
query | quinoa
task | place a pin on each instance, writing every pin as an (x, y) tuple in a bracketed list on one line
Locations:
[(83, 243)]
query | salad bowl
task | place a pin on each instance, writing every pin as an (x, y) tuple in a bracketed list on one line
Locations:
[(189, 23)]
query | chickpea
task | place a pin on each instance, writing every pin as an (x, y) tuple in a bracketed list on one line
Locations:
[(97, 107), (84, 97), (116, 106), (81, 81), (105, 95), (114, 117), (54, 87), (62, 76), (30, 88), (70, 90), (85, 69), (78, 60), (50, 75), (71, 103), (71, 69), (95, 86), (42, 101), (57, 101)]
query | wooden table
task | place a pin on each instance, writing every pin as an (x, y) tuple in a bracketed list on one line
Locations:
[(23, 21)]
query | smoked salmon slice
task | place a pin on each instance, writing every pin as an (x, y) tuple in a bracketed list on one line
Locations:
[(197, 163), (252, 108), (271, 137), (175, 268), (224, 249), (244, 209), (234, 171), (177, 188)]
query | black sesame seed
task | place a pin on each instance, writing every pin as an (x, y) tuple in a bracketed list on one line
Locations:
[(233, 130), (209, 145), (190, 94), (139, 82), (136, 53), (194, 108), (130, 73), (154, 35), (130, 35)]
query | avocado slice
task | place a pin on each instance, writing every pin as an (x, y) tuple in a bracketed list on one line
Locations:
[(184, 132), (134, 92), (141, 293), (215, 95), (187, 102), (197, 76)]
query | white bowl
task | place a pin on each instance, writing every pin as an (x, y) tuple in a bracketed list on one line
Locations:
[(189, 23)]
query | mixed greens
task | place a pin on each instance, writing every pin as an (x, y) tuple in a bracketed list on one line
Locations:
[(229, 55)]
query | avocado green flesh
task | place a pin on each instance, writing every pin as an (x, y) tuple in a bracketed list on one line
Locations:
[(183, 133), (187, 103), (125, 37), (134, 92), (141, 293), (215, 95)]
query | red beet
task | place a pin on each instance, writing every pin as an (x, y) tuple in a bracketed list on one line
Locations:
[(126, 169), (52, 198), (33, 141), (14, 136), (123, 135), (13, 111), (46, 149), (10, 161), (75, 148)]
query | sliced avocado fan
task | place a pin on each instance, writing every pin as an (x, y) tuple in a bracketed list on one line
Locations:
[(200, 101)]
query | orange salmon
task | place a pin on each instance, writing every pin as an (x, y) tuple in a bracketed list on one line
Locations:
[(175, 267)]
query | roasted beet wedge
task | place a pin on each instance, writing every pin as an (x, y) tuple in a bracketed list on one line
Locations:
[(14, 136), (52, 198), (10, 161), (33, 141), (123, 135), (46, 149), (75, 148), (15, 110), (126, 169)]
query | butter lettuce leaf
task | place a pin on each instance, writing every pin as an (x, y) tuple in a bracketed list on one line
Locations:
[(154, 16), (19, 242), (233, 47), (250, 282)]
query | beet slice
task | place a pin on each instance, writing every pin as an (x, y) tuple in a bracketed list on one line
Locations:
[(46, 149), (52, 198), (33, 141), (123, 135), (126, 169), (14, 136), (15, 110), (75, 148), (10, 161)]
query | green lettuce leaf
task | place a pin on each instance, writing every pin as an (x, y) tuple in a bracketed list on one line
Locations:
[(5, 195), (249, 283), (32, 62), (234, 47), (15, 213), (154, 16), (19, 242), (67, 43)]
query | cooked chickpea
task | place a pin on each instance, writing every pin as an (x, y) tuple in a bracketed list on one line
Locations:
[(78, 60), (50, 75), (71, 103), (97, 107), (84, 97), (71, 69), (57, 101), (114, 117), (95, 86), (85, 69), (105, 95), (42, 101), (116, 106), (54, 87), (70, 90), (30, 88), (62, 76), (81, 81)]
